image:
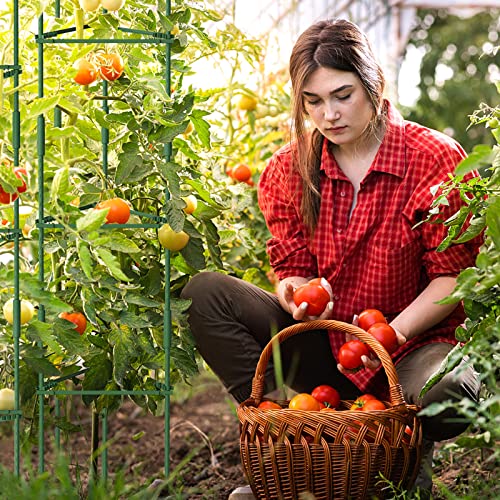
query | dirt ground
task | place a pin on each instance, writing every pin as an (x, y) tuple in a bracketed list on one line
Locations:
[(204, 449)]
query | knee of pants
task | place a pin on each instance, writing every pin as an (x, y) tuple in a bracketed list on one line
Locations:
[(462, 382), (200, 283)]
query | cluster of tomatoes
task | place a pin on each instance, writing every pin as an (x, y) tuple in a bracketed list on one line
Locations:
[(373, 322), (325, 398), (101, 64), (241, 173)]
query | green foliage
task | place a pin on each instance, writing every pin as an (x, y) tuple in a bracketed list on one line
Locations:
[(477, 287), (129, 138), (453, 70)]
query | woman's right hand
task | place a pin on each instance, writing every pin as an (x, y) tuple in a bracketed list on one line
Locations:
[(285, 292)]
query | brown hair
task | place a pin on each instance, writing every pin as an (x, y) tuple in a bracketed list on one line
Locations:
[(336, 44)]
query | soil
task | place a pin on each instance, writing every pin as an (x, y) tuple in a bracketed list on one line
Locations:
[(204, 449)]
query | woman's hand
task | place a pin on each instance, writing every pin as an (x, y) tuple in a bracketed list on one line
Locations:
[(370, 362), (286, 290)]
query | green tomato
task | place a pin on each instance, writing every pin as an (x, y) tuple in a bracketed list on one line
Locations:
[(172, 240), (27, 311), (7, 399)]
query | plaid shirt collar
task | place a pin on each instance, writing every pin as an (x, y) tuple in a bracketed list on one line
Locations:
[(386, 160)]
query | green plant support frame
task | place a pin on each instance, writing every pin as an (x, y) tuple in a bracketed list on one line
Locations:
[(46, 387)]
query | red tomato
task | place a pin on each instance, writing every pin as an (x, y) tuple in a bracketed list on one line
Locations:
[(119, 210), (269, 405), (327, 395), (369, 317), (21, 174), (110, 65), (241, 172), (350, 354), (7, 198), (360, 401), (77, 318), (373, 404), (304, 401), (86, 72), (386, 335), (315, 295)]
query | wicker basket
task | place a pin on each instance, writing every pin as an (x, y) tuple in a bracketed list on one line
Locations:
[(292, 454)]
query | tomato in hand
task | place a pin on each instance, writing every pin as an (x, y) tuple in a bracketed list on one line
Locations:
[(315, 295), (119, 210), (350, 354), (386, 335), (304, 401), (369, 317), (78, 319), (269, 405), (327, 395)]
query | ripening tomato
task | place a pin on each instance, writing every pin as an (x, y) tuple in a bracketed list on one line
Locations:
[(386, 335), (350, 354), (7, 198), (304, 401), (86, 72), (315, 295), (21, 174), (119, 210), (373, 404), (327, 395), (77, 318), (369, 317), (241, 172), (360, 401), (110, 65), (269, 405)]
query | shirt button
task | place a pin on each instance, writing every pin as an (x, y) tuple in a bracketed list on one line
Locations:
[(339, 230), (336, 297), (342, 193)]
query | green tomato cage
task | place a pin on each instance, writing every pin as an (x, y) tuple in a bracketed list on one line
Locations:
[(47, 387)]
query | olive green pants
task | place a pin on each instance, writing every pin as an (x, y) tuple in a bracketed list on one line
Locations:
[(232, 321)]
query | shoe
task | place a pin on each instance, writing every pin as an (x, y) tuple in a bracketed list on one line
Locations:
[(242, 493)]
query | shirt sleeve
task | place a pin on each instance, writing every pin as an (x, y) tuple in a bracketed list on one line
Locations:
[(287, 248), (457, 256)]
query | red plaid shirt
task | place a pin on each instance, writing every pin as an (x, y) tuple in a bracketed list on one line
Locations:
[(374, 258)]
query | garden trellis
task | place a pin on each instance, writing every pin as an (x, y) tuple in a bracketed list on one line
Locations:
[(50, 387)]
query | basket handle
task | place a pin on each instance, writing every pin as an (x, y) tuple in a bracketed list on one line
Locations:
[(395, 389)]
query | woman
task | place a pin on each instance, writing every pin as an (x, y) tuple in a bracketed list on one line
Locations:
[(346, 200)]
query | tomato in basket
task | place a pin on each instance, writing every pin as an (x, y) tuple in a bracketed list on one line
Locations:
[(327, 395), (269, 405), (304, 401)]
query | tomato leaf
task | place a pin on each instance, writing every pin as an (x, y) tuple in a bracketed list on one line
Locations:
[(97, 376), (42, 365), (124, 353), (131, 166), (201, 126), (86, 260), (92, 220), (120, 243), (112, 264), (60, 188), (40, 331)]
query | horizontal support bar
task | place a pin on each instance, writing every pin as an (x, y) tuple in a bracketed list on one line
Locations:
[(10, 414), (107, 226), (153, 34), (104, 40), (68, 392)]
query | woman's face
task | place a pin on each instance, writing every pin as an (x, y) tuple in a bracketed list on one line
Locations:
[(338, 105)]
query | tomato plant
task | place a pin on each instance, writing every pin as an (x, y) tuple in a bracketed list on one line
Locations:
[(304, 401), (369, 317), (119, 210), (326, 394), (386, 335), (350, 354), (247, 103), (315, 295), (191, 204), (78, 319)]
